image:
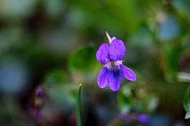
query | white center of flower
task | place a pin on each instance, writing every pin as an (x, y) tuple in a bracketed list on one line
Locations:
[(113, 65)]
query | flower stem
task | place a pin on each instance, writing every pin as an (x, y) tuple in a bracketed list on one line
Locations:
[(78, 107), (108, 36)]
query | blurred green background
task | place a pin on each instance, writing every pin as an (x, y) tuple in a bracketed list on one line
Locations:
[(48, 47)]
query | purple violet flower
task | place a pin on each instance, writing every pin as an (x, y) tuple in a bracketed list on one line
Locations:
[(111, 56)]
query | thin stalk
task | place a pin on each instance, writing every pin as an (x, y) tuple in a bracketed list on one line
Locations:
[(78, 107)]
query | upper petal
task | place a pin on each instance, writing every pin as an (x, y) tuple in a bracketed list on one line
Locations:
[(102, 55), (103, 77), (128, 73), (115, 79), (117, 49)]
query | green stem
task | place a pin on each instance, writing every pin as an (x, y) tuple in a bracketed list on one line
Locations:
[(78, 107)]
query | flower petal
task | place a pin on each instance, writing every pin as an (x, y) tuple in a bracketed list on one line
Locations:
[(117, 49), (115, 79), (103, 77), (102, 55), (128, 73)]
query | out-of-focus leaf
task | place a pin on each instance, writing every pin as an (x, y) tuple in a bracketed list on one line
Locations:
[(56, 77), (126, 13), (186, 104), (171, 53), (83, 59), (83, 65), (114, 16)]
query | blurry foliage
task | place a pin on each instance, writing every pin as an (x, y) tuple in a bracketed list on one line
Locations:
[(136, 98), (83, 65), (56, 77), (186, 104), (53, 43), (83, 59), (171, 57)]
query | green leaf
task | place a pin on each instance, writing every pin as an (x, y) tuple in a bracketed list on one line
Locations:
[(171, 53), (186, 104), (83, 59)]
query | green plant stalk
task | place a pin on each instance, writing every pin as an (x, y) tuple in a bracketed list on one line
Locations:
[(78, 107)]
